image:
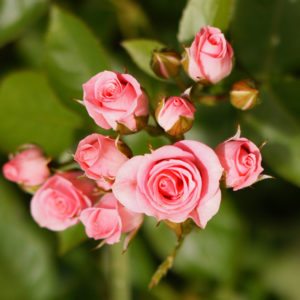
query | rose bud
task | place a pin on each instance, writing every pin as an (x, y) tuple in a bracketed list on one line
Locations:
[(29, 167), (241, 160), (101, 156), (244, 95), (116, 101), (59, 201), (209, 58), (175, 115), (165, 63), (109, 219), (174, 182)]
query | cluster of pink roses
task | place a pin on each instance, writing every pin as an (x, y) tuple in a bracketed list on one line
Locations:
[(175, 182)]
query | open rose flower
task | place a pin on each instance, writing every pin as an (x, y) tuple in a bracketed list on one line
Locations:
[(59, 201), (29, 167), (100, 156), (109, 219), (115, 101), (173, 182), (209, 57), (175, 115), (241, 160)]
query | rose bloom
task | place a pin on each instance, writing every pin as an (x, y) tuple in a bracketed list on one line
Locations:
[(209, 57), (173, 182), (99, 156), (29, 167), (111, 98), (109, 219), (241, 160), (60, 200), (175, 115)]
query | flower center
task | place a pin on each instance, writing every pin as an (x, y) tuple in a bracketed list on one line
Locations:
[(170, 186), (110, 90)]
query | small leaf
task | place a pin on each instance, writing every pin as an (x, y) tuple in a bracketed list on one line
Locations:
[(72, 56), (140, 50), (15, 15), (31, 113), (199, 13)]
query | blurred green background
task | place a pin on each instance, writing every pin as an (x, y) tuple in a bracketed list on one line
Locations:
[(251, 249)]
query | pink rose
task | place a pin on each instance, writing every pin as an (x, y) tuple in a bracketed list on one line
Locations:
[(109, 219), (60, 200), (111, 98), (241, 160), (175, 115), (100, 156), (173, 182), (209, 57), (104, 184), (29, 167)]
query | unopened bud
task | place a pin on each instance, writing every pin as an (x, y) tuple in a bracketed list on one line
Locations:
[(244, 95), (175, 115), (165, 63)]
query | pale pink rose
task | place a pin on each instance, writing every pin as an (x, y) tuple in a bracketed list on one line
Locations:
[(173, 182), (111, 97), (241, 160), (59, 201), (109, 219), (175, 115), (29, 167), (209, 57), (100, 156)]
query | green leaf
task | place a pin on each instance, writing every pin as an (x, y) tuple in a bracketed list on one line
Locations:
[(267, 45), (71, 238), (31, 113), (72, 56), (140, 50), (199, 13), (277, 119), (27, 266), (15, 15)]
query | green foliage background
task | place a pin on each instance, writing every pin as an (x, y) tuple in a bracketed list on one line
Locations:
[(251, 249)]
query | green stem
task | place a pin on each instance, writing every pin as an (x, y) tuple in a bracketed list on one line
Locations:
[(164, 267), (119, 273)]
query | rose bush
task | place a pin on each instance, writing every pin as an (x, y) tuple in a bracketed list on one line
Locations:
[(173, 182)]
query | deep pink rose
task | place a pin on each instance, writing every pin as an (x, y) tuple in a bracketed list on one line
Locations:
[(111, 97), (109, 219), (209, 57), (241, 160), (99, 156), (175, 115), (60, 200), (29, 167), (173, 182)]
